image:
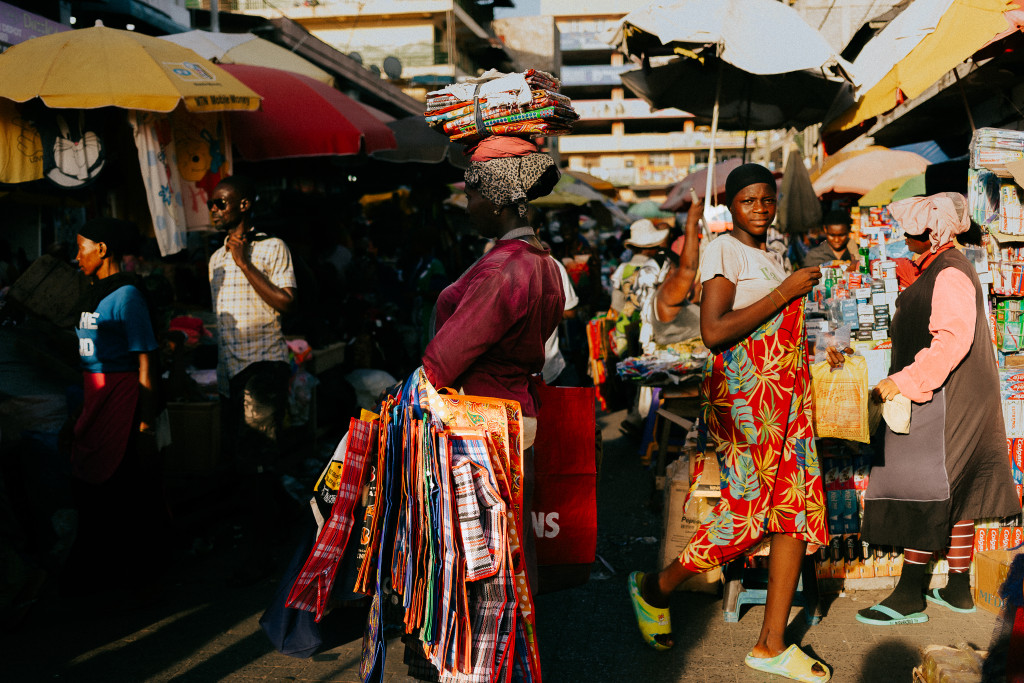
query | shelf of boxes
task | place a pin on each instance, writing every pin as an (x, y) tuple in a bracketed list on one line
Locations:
[(855, 308), (995, 202)]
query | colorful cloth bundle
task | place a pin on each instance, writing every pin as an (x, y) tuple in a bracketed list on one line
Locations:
[(669, 365), (524, 104), (440, 552), (599, 354)]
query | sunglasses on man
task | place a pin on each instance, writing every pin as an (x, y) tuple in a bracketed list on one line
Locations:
[(219, 202)]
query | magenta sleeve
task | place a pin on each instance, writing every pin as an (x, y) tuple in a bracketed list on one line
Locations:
[(487, 310)]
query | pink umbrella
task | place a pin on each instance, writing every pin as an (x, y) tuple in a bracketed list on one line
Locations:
[(302, 117), (679, 196), (859, 174)]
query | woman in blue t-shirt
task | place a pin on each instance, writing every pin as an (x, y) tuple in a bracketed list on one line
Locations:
[(115, 344), (113, 448)]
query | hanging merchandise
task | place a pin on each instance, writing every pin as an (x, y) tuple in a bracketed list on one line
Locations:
[(203, 156), (73, 153), (183, 156), (155, 142), (440, 544), (21, 149)]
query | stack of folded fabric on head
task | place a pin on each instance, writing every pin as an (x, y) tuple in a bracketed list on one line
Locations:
[(523, 104)]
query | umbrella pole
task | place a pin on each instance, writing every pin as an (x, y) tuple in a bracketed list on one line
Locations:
[(711, 155), (746, 131), (963, 96)]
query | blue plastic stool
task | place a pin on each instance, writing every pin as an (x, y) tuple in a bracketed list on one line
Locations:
[(647, 439), (745, 586)]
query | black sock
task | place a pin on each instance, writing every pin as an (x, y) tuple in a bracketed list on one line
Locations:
[(908, 596), (958, 590)]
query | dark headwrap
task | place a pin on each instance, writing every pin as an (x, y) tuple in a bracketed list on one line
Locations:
[(510, 172), (745, 176), (118, 235)]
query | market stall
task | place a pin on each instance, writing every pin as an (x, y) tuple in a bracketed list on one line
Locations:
[(856, 305), (852, 307)]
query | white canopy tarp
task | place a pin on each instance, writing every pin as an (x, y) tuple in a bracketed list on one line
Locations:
[(758, 36)]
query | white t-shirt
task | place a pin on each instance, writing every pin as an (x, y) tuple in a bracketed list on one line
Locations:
[(554, 362), (754, 272)]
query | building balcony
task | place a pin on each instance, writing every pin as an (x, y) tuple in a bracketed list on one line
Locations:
[(598, 74), (619, 177), (648, 142), (618, 110), (311, 9), (308, 9), (589, 41)]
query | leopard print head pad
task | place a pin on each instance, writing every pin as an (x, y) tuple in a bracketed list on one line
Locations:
[(513, 181)]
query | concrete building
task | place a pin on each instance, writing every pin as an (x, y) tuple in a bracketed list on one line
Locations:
[(419, 45), (618, 137), (154, 17)]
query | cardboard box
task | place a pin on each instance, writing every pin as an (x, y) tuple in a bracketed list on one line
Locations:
[(991, 568), (710, 476), (195, 438), (680, 525)]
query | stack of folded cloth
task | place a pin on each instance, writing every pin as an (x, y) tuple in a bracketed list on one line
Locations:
[(671, 364), (523, 104)]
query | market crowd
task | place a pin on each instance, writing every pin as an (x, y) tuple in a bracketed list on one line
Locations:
[(525, 297)]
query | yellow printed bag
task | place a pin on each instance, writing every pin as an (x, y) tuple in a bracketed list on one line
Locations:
[(841, 400)]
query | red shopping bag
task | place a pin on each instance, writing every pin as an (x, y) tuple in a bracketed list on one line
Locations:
[(564, 515)]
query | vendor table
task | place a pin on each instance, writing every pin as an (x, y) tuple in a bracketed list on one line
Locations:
[(679, 406)]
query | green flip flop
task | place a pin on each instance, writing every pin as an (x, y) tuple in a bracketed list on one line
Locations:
[(935, 597), (793, 663), (894, 618)]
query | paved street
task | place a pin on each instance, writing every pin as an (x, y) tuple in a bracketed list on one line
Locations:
[(201, 629)]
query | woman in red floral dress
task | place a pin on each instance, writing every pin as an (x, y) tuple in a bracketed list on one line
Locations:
[(756, 399)]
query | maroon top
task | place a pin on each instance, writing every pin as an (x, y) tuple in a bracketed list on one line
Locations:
[(492, 324)]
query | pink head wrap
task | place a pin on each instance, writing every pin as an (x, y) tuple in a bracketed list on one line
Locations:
[(500, 147), (945, 214)]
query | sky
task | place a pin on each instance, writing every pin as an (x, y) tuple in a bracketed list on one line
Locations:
[(522, 8)]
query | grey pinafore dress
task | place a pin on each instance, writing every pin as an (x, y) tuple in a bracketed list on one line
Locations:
[(953, 465)]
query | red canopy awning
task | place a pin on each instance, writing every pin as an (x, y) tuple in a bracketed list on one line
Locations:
[(302, 117)]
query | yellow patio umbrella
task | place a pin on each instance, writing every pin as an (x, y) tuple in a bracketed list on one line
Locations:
[(568, 191), (106, 67), (599, 184), (914, 187), (963, 29), (881, 194)]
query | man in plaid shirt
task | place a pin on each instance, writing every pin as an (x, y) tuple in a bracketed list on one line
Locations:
[(253, 283)]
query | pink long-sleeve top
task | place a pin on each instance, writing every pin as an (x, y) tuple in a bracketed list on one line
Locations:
[(492, 324), (952, 328)]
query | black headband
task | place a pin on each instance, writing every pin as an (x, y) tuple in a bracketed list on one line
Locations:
[(745, 176)]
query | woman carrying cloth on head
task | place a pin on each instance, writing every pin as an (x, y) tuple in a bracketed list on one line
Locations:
[(492, 323), (756, 399), (951, 467)]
